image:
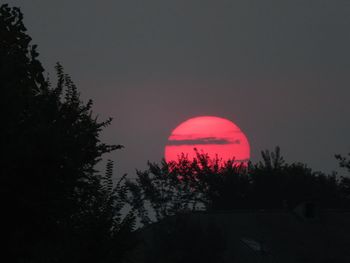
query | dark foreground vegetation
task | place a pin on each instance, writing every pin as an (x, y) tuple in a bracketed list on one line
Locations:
[(55, 207), (204, 183)]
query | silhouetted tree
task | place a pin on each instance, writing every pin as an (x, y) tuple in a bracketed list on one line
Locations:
[(344, 162), (277, 184), (105, 234), (188, 184), (166, 189), (55, 206), (210, 184)]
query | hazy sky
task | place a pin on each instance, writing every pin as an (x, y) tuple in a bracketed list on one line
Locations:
[(278, 69)]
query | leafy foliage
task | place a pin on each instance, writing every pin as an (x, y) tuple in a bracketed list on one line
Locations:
[(344, 162), (171, 188), (277, 184), (56, 207), (177, 186)]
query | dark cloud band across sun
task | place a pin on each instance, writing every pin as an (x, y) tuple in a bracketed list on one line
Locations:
[(203, 141)]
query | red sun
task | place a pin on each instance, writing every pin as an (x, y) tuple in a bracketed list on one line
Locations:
[(211, 135)]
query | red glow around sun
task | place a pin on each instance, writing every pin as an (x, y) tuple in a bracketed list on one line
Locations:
[(211, 135)]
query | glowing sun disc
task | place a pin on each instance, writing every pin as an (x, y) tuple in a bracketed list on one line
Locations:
[(214, 136)]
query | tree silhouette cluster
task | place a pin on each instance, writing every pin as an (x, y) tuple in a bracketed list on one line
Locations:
[(55, 206), (204, 183)]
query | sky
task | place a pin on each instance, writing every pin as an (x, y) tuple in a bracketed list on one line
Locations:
[(277, 69)]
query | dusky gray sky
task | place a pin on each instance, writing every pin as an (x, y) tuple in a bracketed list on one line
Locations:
[(278, 69)]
